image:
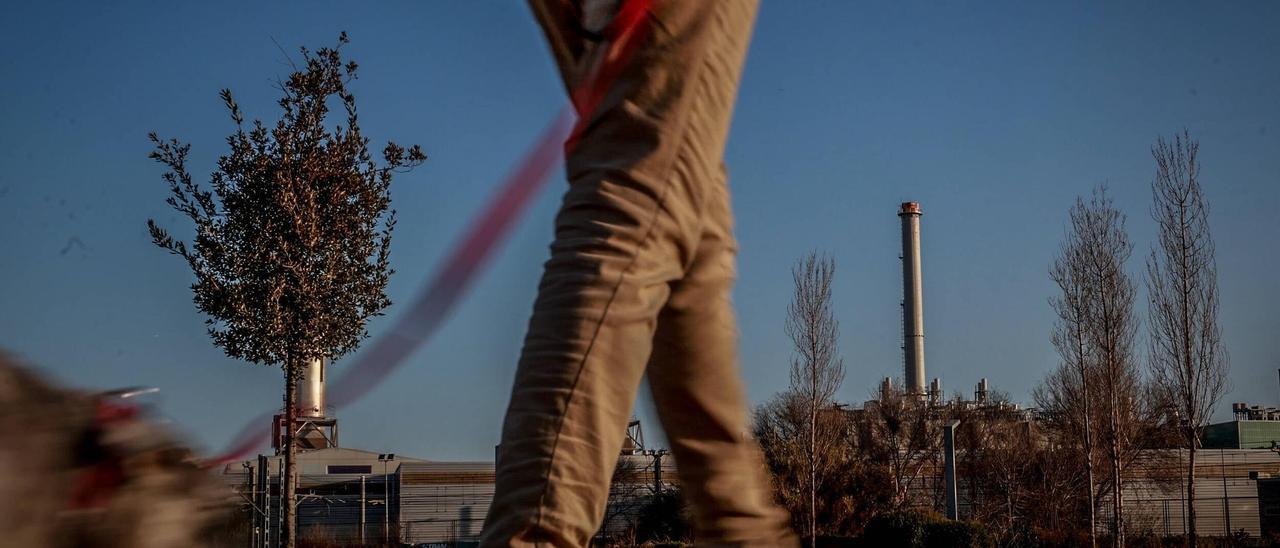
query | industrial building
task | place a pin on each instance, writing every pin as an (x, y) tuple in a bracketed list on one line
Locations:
[(1252, 427), (350, 496), (359, 497), (354, 497), (1237, 471)]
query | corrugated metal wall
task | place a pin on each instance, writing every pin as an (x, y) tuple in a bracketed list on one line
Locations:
[(444, 502), (1226, 496), (1258, 434)]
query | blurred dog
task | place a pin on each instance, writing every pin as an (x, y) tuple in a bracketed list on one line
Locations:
[(90, 470)]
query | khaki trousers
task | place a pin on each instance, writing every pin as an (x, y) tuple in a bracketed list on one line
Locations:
[(639, 281)]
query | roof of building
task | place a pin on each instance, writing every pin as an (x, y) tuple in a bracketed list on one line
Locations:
[(319, 461)]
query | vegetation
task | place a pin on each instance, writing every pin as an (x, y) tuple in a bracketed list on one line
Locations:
[(292, 236), (817, 370), (1027, 480), (1188, 362)]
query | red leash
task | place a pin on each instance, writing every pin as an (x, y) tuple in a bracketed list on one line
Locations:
[(428, 311)]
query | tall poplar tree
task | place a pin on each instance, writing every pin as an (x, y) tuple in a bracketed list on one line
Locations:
[(1188, 361), (817, 370)]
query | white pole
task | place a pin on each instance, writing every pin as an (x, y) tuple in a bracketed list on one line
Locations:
[(386, 506), (362, 522)]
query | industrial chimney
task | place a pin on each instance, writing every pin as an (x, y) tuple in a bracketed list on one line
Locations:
[(313, 428), (912, 299), (311, 397)]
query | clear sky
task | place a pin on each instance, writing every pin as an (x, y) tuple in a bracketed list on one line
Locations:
[(993, 115)]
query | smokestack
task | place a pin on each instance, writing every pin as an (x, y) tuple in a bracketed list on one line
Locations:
[(313, 428), (912, 299), (311, 397)]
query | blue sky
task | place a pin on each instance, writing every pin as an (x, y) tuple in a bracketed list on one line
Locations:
[(993, 115)]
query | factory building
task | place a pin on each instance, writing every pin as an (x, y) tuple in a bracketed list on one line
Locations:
[(352, 497), (355, 497), (1252, 427), (1237, 471)]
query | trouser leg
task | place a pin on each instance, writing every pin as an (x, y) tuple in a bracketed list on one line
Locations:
[(698, 392), (584, 355), (629, 227)]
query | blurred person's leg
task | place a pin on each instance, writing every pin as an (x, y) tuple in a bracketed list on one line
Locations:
[(645, 221), (698, 392)]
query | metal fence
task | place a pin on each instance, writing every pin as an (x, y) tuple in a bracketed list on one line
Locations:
[(438, 502), (1226, 500), (420, 502)]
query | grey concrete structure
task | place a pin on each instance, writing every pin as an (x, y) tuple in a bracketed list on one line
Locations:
[(912, 299)]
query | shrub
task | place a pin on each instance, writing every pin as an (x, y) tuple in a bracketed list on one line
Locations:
[(1025, 536), (958, 534), (906, 529), (664, 519), (917, 529)]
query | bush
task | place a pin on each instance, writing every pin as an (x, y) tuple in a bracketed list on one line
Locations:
[(664, 519), (958, 534), (917, 529), (906, 529), (1025, 536)]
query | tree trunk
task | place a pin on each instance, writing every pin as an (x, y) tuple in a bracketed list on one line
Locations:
[(290, 453), (813, 467), (1193, 420), (1191, 495), (1088, 439), (1117, 496), (1088, 472)]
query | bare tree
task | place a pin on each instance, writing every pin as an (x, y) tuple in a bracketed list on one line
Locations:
[(1110, 329), (1061, 403), (902, 431), (817, 370), (630, 489), (847, 494), (1052, 478), (1096, 394), (1187, 358), (1068, 272), (993, 451)]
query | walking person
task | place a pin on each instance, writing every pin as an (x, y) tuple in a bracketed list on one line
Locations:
[(639, 281)]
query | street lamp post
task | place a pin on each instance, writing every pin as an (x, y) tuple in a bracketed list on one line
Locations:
[(362, 522), (386, 498)]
